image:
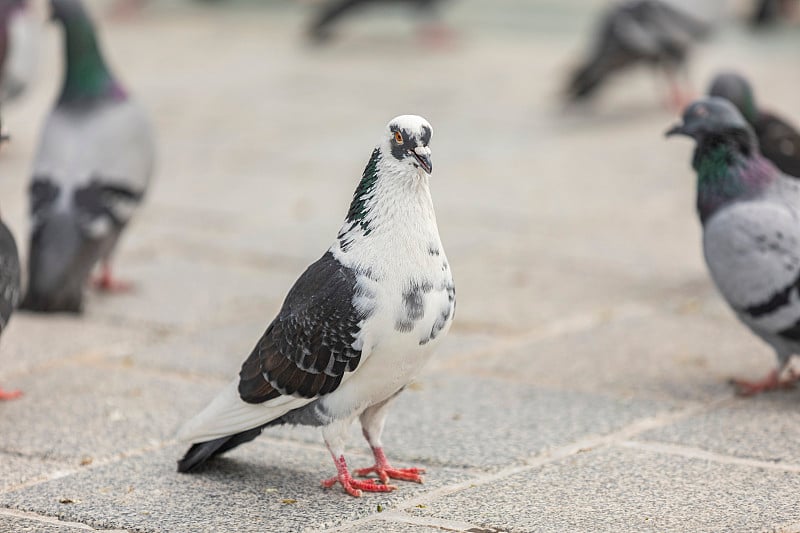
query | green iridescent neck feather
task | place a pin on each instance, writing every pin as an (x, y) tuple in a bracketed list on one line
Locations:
[(725, 175), (87, 77), (357, 214)]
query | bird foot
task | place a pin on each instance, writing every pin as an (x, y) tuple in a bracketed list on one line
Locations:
[(105, 282), (10, 395), (386, 472), (354, 487), (769, 383)]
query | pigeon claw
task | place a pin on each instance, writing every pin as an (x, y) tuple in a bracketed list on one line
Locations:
[(10, 395), (386, 472), (354, 487), (771, 382)]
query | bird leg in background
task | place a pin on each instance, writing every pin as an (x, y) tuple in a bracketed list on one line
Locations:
[(9, 395), (770, 382), (678, 98), (372, 420), (106, 282), (351, 486)]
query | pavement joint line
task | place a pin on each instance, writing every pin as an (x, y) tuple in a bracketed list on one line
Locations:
[(36, 517), (549, 456), (574, 324), (691, 452), (429, 521)]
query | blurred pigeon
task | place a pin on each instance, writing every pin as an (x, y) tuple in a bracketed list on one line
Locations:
[(9, 287), (751, 237), (639, 32), (779, 141), (768, 12), (355, 328), (18, 48), (93, 165), (334, 10)]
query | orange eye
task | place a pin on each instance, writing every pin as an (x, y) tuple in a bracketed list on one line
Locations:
[(398, 137)]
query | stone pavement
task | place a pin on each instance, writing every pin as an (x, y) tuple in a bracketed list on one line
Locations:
[(583, 385)]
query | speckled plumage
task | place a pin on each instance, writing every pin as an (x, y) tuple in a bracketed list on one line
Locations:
[(356, 327), (750, 213)]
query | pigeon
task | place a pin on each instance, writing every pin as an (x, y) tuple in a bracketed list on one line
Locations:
[(768, 12), (749, 211), (9, 287), (334, 10), (779, 141), (18, 48), (355, 328), (92, 167), (638, 32)]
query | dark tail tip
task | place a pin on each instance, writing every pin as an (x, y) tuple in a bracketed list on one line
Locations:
[(201, 452), (58, 302)]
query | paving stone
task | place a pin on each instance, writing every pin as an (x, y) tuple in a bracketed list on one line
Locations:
[(487, 423), (765, 427), (16, 469), (385, 526), (36, 341), (676, 356), (25, 525), (627, 490), (96, 412), (173, 292), (266, 485)]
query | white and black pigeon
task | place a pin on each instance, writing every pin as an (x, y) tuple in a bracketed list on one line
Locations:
[(92, 168), (9, 287), (18, 48), (356, 327), (750, 213), (648, 32), (778, 140)]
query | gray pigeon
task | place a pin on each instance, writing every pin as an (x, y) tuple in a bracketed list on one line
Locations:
[(9, 287), (751, 236), (94, 162), (355, 328), (18, 48), (779, 141), (638, 32)]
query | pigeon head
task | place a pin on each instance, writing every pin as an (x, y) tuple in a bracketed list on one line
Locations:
[(736, 89), (710, 117), (67, 10), (407, 139)]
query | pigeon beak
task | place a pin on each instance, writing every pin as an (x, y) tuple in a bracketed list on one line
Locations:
[(677, 129), (423, 156)]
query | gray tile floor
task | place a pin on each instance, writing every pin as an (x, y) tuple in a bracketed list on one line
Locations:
[(583, 386)]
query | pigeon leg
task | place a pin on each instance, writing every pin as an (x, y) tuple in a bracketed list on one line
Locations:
[(372, 421), (351, 486), (770, 382), (106, 281), (10, 395), (335, 435)]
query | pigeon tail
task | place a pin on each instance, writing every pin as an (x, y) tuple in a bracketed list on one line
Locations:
[(201, 452), (61, 259), (584, 81)]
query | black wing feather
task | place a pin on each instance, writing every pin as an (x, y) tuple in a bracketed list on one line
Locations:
[(308, 348)]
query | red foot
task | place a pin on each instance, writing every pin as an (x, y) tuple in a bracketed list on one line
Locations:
[(386, 472), (770, 383), (105, 282), (10, 395), (351, 486)]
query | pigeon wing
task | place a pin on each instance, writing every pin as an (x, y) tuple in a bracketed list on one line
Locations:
[(313, 341)]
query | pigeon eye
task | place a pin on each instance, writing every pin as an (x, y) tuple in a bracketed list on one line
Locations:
[(398, 137)]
